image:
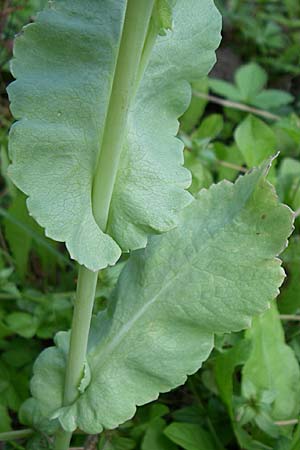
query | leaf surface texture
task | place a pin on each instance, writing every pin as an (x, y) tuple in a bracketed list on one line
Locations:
[(211, 274), (64, 67)]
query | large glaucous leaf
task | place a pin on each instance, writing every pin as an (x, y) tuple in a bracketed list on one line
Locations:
[(64, 67), (272, 367), (209, 275)]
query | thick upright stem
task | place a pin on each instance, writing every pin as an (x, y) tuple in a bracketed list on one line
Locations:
[(135, 31), (82, 315), (137, 19)]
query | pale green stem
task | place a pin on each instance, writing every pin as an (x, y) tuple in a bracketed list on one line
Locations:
[(135, 31), (137, 19), (82, 315), (14, 435), (62, 440)]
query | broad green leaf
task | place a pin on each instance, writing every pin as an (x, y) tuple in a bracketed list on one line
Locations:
[(190, 436), (64, 67), (211, 274), (272, 366), (250, 80), (256, 140)]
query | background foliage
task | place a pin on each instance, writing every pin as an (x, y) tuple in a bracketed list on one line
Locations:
[(247, 395)]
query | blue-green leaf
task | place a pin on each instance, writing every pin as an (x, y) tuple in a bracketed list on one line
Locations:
[(64, 65), (211, 274)]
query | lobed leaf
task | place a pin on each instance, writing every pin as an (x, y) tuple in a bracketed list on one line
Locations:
[(250, 80), (211, 274), (64, 68)]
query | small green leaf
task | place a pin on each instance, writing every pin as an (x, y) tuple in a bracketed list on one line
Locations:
[(250, 80), (30, 416), (13, 386), (272, 366), (19, 241), (5, 162), (210, 127), (190, 436), (39, 442), (155, 439), (291, 125), (86, 379), (197, 106), (116, 442), (5, 420), (224, 367), (272, 98), (163, 15), (256, 140), (288, 182), (17, 354), (22, 323), (289, 299), (230, 160), (201, 176), (225, 89)]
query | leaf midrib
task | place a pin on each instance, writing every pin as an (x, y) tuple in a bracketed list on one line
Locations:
[(126, 328)]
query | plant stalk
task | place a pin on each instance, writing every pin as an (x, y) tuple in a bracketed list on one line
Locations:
[(136, 25), (14, 435), (236, 105), (137, 19)]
